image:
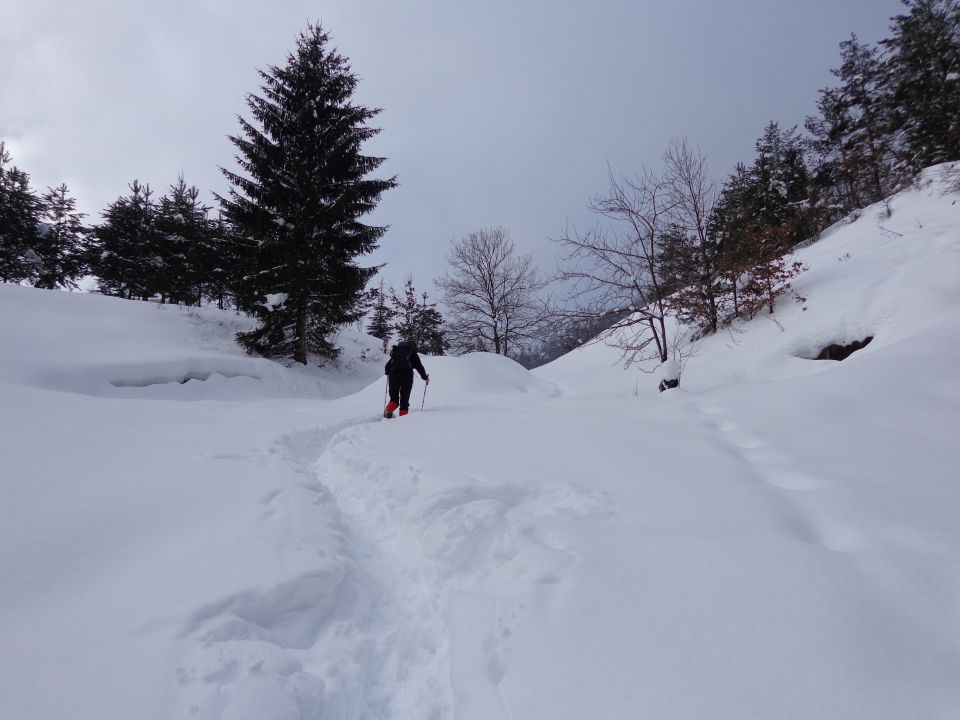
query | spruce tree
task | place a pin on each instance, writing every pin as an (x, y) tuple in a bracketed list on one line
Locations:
[(227, 262), (405, 311), (729, 225), (430, 334), (185, 237), (419, 320), (778, 188), (20, 210), (382, 316), (301, 199), (62, 241), (126, 254)]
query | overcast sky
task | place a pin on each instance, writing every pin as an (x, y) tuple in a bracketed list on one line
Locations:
[(499, 112)]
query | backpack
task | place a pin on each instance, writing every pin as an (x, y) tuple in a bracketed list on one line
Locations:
[(400, 356)]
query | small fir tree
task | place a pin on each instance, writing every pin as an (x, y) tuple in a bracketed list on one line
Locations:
[(380, 325), (126, 255), (185, 235), (418, 320), (62, 241), (405, 310), (729, 224), (430, 333)]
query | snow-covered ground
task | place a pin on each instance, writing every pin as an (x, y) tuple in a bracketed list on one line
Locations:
[(187, 532)]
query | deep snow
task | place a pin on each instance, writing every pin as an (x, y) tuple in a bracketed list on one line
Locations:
[(777, 538)]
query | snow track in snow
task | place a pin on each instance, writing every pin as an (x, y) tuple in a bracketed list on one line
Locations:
[(445, 562), (261, 653)]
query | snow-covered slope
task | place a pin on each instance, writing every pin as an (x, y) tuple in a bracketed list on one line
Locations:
[(778, 538), (107, 347)]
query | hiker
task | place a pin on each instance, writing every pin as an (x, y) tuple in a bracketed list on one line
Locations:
[(403, 361)]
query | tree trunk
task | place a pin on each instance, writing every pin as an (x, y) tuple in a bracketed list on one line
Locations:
[(300, 344), (736, 300)]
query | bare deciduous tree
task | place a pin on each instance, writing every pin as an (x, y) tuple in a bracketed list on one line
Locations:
[(491, 293), (617, 268), (655, 259)]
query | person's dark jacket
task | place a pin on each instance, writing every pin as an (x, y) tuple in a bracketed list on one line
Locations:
[(404, 360)]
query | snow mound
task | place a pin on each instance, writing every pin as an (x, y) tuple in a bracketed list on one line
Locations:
[(189, 378), (113, 348), (472, 379), (476, 375)]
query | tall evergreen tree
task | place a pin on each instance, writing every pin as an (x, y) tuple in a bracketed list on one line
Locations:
[(302, 198), (925, 80), (20, 210), (62, 241)]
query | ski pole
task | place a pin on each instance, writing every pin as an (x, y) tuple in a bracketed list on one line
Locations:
[(386, 385), (424, 394)]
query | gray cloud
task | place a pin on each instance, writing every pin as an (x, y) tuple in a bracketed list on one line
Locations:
[(504, 112)]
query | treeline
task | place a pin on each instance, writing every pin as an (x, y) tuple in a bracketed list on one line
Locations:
[(677, 245), (284, 243), (42, 237), (895, 111), (674, 244), (171, 249)]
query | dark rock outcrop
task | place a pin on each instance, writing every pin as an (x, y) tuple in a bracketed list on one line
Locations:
[(842, 352)]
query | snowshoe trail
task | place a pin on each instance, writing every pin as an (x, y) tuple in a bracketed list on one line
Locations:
[(446, 562), (397, 584)]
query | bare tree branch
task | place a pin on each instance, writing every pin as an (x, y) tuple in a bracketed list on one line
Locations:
[(610, 270)]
